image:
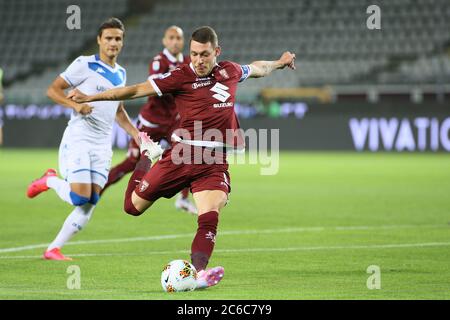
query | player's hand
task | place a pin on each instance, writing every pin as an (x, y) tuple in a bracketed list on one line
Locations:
[(77, 96), (287, 59), (84, 109), (151, 149)]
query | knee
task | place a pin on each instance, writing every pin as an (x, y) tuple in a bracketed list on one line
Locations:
[(94, 198), (78, 200), (130, 208), (216, 206)]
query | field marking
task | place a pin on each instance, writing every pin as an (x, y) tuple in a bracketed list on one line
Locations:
[(250, 250), (222, 233)]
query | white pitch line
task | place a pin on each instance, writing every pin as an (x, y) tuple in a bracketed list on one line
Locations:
[(251, 250), (222, 233)]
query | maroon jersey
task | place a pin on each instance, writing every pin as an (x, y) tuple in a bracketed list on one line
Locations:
[(207, 99), (161, 110)]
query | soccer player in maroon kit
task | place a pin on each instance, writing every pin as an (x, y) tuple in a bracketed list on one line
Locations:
[(159, 116), (204, 92)]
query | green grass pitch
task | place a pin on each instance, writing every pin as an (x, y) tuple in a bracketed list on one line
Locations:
[(309, 232)]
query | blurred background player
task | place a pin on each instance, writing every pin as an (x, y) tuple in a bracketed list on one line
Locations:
[(208, 180), (85, 151), (159, 116)]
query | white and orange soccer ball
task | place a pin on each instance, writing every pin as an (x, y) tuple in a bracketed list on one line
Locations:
[(179, 275)]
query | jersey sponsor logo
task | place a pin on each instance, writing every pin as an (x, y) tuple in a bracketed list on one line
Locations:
[(101, 88), (223, 105), (221, 93), (202, 84), (203, 79)]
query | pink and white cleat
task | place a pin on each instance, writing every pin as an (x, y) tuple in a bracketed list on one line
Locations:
[(40, 185), (55, 254), (209, 277)]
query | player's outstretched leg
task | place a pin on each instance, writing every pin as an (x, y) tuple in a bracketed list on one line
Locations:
[(150, 153), (183, 202), (142, 167)]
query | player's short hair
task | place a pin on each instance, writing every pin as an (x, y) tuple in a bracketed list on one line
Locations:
[(111, 23), (205, 34)]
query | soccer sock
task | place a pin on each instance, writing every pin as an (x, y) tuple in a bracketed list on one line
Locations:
[(185, 193), (204, 240), (74, 223), (120, 170), (142, 167), (62, 189)]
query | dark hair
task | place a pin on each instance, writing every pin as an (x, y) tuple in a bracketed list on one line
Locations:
[(204, 35), (112, 23)]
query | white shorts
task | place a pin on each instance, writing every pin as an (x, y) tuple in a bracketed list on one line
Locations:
[(84, 162)]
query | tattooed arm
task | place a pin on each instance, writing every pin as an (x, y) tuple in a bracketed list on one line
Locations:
[(264, 68)]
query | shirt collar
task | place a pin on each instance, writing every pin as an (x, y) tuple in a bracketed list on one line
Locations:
[(97, 58), (172, 58)]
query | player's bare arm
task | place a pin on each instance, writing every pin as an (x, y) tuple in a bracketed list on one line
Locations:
[(124, 121), (56, 92), (139, 90), (263, 68)]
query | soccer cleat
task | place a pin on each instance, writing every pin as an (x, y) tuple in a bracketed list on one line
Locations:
[(55, 254), (40, 185), (151, 149), (209, 277), (186, 205)]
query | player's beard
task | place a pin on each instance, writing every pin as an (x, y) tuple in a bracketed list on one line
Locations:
[(201, 72), (205, 70)]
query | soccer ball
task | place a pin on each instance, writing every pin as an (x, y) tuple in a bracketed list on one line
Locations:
[(179, 275)]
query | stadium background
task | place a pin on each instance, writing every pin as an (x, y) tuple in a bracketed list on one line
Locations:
[(345, 71), (354, 90)]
